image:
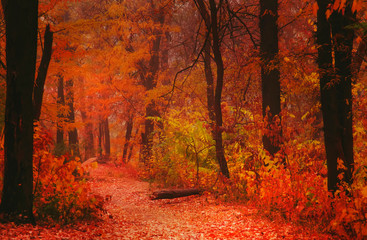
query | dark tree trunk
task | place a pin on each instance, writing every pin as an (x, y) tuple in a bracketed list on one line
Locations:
[(214, 97), (21, 18), (335, 87), (132, 145), (270, 75), (328, 93), (209, 82), (73, 133), (129, 128), (106, 137), (218, 90), (149, 75), (85, 110), (343, 50), (174, 193), (147, 136), (104, 143), (100, 138), (42, 73), (207, 61), (60, 114), (89, 137)]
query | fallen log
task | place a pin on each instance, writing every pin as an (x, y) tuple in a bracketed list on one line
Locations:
[(174, 193), (89, 161)]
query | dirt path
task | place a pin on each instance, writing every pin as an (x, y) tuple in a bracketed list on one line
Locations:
[(134, 216)]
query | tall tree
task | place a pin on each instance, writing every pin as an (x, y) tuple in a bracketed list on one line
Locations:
[(106, 137), (211, 13), (42, 73), (21, 19), (335, 42), (149, 74), (129, 128), (270, 75), (60, 114), (89, 137), (72, 133), (104, 143)]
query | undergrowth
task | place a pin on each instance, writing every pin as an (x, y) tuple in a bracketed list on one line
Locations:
[(293, 184), (61, 193)]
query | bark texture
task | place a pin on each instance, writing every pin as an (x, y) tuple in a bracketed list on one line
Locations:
[(60, 114), (270, 75), (149, 74), (129, 128), (335, 42), (42, 73), (72, 133), (174, 193), (211, 16), (21, 18)]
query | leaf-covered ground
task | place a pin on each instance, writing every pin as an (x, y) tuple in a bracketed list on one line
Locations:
[(132, 215)]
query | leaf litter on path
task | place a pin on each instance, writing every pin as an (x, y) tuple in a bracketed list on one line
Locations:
[(130, 214)]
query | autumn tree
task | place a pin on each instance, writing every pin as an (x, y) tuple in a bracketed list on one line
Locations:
[(42, 72), (2, 70), (104, 138), (72, 133), (212, 12), (60, 115), (335, 45), (270, 74), (85, 112), (21, 19), (148, 71)]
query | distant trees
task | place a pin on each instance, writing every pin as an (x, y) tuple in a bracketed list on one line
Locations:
[(60, 114), (72, 133), (21, 19)]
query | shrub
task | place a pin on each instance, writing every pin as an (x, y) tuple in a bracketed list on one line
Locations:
[(61, 193)]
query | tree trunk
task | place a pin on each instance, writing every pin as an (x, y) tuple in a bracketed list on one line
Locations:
[(60, 114), (100, 138), (149, 75), (89, 137), (218, 90), (174, 193), (343, 49), (104, 143), (85, 110), (21, 19), (132, 145), (335, 87), (42, 73), (270, 75), (129, 128), (147, 136), (209, 81), (210, 17), (73, 133), (106, 137)]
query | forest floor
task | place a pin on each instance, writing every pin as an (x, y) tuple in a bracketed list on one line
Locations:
[(130, 214)]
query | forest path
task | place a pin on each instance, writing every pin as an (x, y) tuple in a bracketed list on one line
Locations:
[(132, 215)]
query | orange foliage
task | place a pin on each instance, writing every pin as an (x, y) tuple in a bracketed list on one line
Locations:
[(60, 190), (61, 193)]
